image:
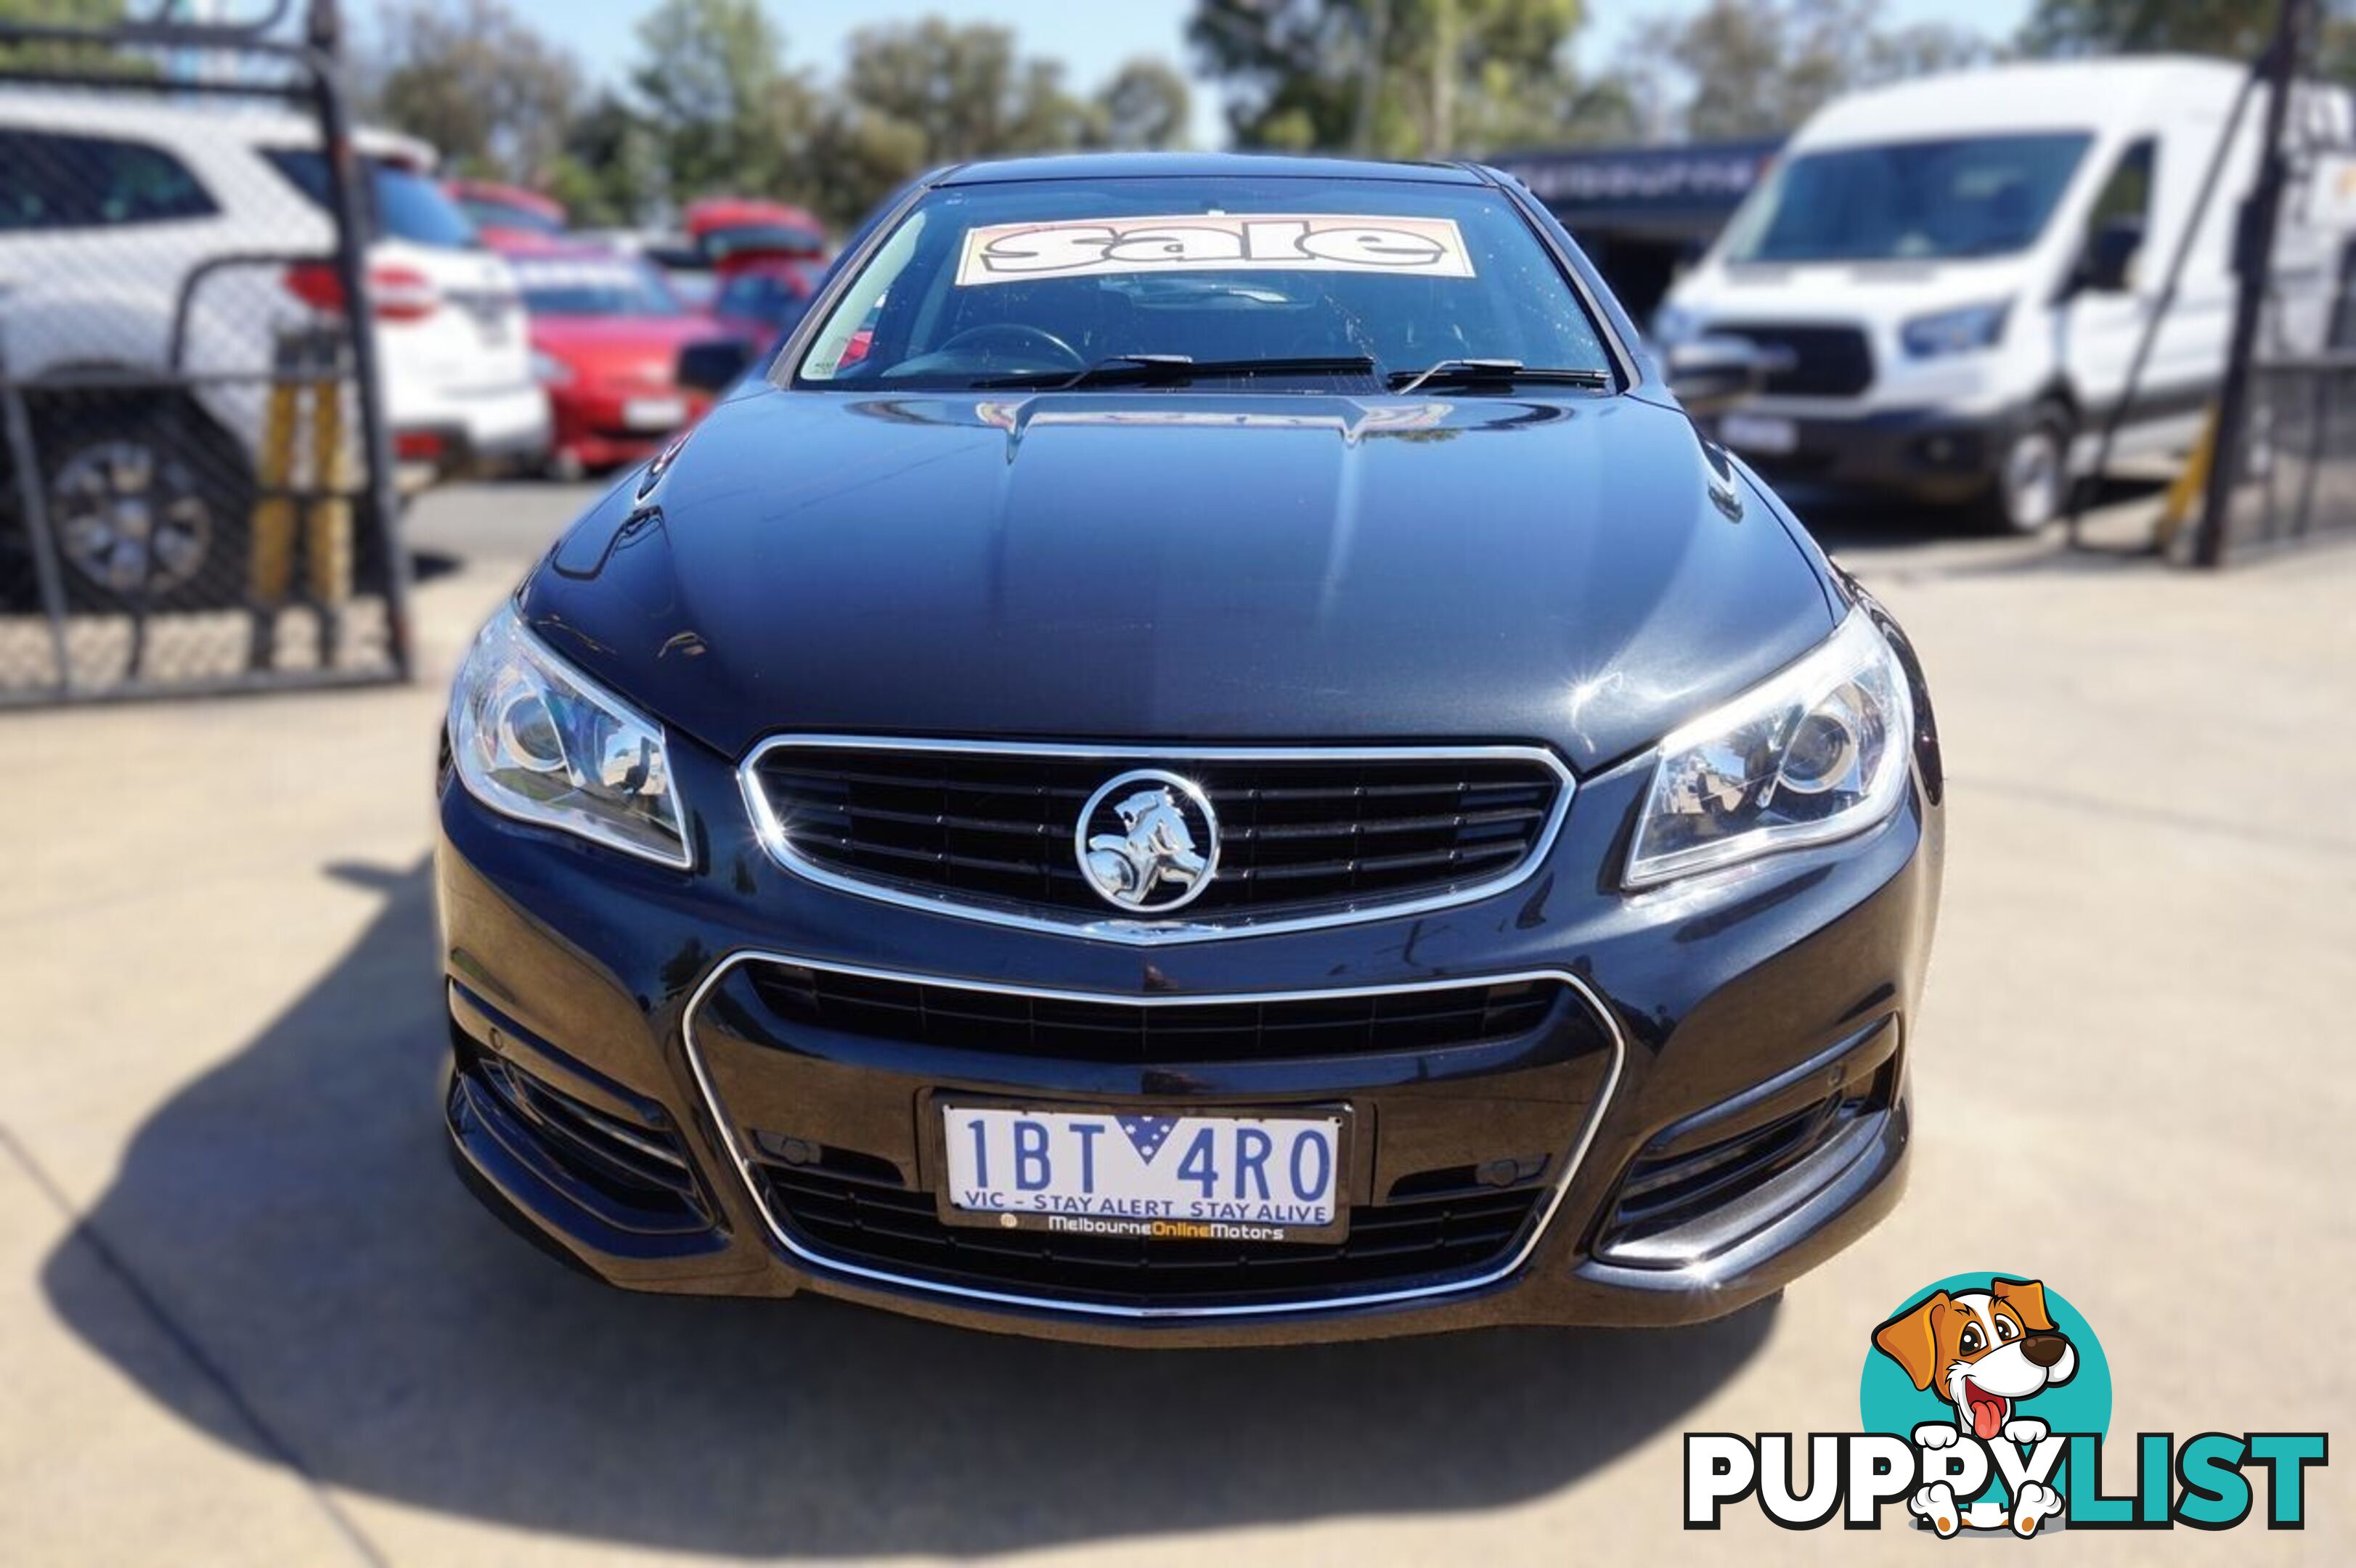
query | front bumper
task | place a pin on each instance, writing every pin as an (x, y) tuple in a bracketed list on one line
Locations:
[(593, 424), (1930, 455), (620, 1090), (456, 434)]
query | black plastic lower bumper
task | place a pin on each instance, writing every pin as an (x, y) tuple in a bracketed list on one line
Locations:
[(1928, 453)]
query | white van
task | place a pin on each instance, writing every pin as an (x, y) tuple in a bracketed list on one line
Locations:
[(1950, 278)]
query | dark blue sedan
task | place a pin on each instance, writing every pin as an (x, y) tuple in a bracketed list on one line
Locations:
[(1209, 757)]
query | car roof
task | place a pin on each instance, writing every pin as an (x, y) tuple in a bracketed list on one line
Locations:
[(253, 122), (512, 195), (518, 246), (1201, 166), (2027, 96)]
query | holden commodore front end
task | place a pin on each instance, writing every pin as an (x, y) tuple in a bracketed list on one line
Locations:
[(1208, 760)]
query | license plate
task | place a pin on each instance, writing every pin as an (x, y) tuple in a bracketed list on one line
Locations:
[(1758, 433), (1133, 1173), (654, 414), (494, 321)]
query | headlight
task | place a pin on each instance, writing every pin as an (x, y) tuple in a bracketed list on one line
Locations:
[(1815, 753), (539, 740), (549, 370), (1954, 331)]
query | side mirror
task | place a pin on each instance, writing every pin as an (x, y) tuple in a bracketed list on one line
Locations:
[(2107, 267), (1711, 375), (715, 365)]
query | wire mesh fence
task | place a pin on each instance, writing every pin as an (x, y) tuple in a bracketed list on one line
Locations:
[(2295, 479), (193, 485), (2284, 444)]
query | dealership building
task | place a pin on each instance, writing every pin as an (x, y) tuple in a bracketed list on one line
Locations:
[(1641, 213)]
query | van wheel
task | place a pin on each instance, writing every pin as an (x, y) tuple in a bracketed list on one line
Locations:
[(148, 503), (2032, 476)]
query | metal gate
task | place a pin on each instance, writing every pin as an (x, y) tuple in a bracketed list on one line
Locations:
[(196, 483), (2283, 460)]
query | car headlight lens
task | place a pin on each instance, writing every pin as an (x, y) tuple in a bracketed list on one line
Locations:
[(1817, 751), (1954, 331), (536, 739), (549, 370)]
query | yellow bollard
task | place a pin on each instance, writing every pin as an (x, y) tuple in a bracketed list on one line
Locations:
[(327, 536), (2190, 488), (272, 548), (307, 399)]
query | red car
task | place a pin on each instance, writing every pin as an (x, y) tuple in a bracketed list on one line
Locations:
[(767, 260), (607, 336), (503, 213)]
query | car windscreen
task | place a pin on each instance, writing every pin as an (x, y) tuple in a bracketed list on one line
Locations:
[(489, 214), (592, 285), (783, 238), (401, 204), (1908, 201), (982, 281), (766, 297)]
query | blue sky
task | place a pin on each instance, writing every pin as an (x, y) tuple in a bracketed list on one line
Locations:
[(1094, 37)]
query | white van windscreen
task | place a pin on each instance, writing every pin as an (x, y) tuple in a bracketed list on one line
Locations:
[(1908, 201)]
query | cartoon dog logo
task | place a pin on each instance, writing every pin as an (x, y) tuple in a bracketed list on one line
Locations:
[(1984, 1351)]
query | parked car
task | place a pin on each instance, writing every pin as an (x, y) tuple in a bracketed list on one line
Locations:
[(1244, 774), (1953, 275), (505, 211), (110, 212), (451, 329), (684, 267), (607, 335), (766, 259), (720, 225)]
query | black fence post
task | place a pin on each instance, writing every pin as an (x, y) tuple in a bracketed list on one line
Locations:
[(323, 30), (24, 456), (2253, 260)]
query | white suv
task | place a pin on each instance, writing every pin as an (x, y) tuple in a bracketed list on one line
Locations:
[(110, 212)]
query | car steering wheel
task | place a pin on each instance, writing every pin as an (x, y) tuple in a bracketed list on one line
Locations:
[(999, 339)]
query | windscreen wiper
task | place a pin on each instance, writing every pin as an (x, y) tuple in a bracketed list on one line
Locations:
[(1117, 369), (1504, 372)]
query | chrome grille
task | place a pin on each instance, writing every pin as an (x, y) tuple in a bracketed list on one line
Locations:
[(1305, 835)]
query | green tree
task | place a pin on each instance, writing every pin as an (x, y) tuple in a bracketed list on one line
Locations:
[(964, 90), (930, 92), (1758, 68), (2235, 27), (857, 156), (724, 111), (48, 56), (1145, 105), (610, 173), (1400, 78), (472, 78)]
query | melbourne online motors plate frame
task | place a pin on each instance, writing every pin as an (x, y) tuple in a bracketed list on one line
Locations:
[(1216, 1222)]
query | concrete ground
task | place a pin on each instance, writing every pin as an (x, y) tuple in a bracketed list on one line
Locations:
[(247, 1315)]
